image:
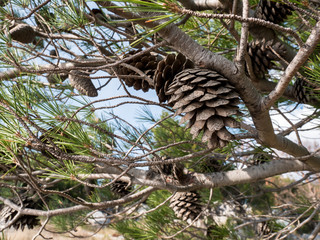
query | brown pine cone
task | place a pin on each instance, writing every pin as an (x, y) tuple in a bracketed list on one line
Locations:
[(304, 91), (262, 56), (7, 214), (82, 82), (272, 11), (173, 170), (186, 205), (208, 101), (23, 33), (147, 63), (166, 71), (120, 188)]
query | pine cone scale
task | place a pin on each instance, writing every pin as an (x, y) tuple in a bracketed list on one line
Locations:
[(192, 106), (217, 103), (215, 124), (205, 114), (187, 117)]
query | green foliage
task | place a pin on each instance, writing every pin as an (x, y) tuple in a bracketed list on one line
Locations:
[(220, 232), (170, 131), (156, 223), (66, 222), (313, 70), (211, 34)]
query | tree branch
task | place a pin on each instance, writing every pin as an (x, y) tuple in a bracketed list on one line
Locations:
[(199, 180), (199, 5), (304, 52), (76, 208)]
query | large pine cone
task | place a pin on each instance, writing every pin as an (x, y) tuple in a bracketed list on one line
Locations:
[(262, 56), (82, 82), (120, 188), (7, 214), (272, 11), (166, 71), (147, 63), (303, 91), (208, 101), (186, 205)]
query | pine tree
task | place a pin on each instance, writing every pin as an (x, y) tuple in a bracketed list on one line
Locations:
[(226, 77)]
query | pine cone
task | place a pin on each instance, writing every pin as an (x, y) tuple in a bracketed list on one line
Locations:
[(22, 33), (186, 205), (303, 91), (120, 188), (166, 70), (208, 101), (262, 56), (173, 170), (7, 214), (147, 63), (81, 81), (272, 11)]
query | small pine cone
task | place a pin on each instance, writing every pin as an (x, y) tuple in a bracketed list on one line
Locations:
[(120, 188), (166, 70), (174, 170), (7, 214), (22, 33), (186, 205), (82, 82), (272, 11), (147, 63), (208, 101), (303, 91), (262, 56)]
